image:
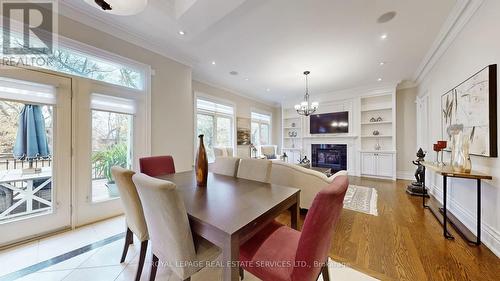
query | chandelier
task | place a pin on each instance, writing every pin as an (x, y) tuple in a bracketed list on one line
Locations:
[(306, 108)]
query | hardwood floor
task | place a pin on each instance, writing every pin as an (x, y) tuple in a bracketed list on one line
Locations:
[(404, 242)]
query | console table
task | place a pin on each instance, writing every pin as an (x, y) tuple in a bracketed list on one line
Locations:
[(442, 214)]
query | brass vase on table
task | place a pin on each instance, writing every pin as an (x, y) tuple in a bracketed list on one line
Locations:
[(201, 164)]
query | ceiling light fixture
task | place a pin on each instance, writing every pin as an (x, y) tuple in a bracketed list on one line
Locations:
[(379, 80), (383, 36), (268, 89), (306, 108), (213, 63), (382, 63), (182, 32), (119, 7)]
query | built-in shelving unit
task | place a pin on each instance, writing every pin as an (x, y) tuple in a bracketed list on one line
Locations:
[(377, 135), (292, 124)]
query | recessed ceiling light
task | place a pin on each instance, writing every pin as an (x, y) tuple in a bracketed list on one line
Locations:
[(246, 79), (213, 63), (268, 89), (181, 32), (379, 80), (383, 36), (382, 63), (386, 17)]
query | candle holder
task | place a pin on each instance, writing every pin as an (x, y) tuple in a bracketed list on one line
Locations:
[(437, 149), (442, 145)]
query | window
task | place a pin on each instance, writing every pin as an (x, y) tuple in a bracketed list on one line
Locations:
[(68, 58), (261, 124), (112, 136), (215, 121)]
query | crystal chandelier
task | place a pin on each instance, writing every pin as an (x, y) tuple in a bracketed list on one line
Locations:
[(306, 108)]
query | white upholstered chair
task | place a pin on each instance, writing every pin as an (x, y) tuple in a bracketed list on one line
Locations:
[(309, 182), (269, 151), (134, 215), (171, 238), (223, 151), (227, 166), (254, 169)]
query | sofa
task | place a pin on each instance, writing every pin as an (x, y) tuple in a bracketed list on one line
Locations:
[(309, 182)]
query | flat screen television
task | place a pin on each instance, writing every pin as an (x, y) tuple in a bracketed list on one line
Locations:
[(329, 123)]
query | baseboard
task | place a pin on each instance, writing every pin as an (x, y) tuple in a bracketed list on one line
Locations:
[(405, 175), (489, 236)]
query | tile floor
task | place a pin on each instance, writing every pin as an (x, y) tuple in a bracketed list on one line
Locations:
[(102, 263)]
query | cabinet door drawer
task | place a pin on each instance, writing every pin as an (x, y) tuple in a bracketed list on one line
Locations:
[(368, 164), (384, 164)]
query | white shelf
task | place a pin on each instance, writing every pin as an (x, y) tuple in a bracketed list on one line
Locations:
[(375, 109), (288, 118), (377, 151), (376, 123), (292, 128), (295, 148), (289, 138), (379, 136)]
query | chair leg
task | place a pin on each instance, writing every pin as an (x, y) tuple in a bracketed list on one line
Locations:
[(324, 272), (142, 257), (129, 238), (154, 268), (242, 273)]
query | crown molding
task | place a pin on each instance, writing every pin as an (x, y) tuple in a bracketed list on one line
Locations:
[(67, 9), (460, 15), (231, 91)]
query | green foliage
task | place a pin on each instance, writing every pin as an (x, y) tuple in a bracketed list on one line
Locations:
[(115, 155)]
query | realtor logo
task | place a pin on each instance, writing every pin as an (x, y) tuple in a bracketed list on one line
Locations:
[(28, 27)]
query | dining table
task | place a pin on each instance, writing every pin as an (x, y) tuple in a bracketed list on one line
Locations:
[(229, 211)]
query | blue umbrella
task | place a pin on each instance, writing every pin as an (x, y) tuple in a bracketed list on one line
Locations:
[(31, 141)]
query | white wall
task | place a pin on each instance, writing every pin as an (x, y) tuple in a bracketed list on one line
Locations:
[(406, 132), (476, 46)]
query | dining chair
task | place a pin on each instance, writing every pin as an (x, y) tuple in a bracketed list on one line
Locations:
[(157, 165), (254, 169), (226, 166), (308, 250), (134, 215), (172, 241)]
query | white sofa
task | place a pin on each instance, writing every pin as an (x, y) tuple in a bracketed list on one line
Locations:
[(309, 182)]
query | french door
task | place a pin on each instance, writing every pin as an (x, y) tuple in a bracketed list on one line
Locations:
[(35, 190)]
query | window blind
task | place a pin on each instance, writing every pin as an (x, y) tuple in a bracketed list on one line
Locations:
[(113, 104), (261, 117), (210, 106), (27, 92)]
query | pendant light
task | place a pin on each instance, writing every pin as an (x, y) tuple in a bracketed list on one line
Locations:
[(306, 107), (119, 7)]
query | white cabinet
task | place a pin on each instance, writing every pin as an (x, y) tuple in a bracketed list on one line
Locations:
[(293, 155), (377, 164)]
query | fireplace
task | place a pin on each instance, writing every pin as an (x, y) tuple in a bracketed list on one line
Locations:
[(332, 156)]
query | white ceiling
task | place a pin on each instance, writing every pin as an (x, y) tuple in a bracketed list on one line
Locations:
[(271, 42)]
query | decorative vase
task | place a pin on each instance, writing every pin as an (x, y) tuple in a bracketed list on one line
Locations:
[(201, 164), (467, 163), (458, 157)]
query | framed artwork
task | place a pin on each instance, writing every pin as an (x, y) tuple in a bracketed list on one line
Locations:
[(243, 131), (473, 104)]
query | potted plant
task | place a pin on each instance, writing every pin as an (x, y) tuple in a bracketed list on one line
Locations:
[(115, 155)]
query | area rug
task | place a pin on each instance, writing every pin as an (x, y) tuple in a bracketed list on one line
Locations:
[(361, 199)]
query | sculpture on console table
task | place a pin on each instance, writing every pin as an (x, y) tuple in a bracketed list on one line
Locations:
[(417, 187)]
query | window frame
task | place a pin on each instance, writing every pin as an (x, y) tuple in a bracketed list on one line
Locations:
[(197, 111), (262, 122)]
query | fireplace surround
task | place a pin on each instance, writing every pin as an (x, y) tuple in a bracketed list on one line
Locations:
[(333, 156)]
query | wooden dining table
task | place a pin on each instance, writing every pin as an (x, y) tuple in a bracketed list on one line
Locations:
[(229, 211)]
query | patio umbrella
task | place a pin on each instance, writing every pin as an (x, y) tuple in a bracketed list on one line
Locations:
[(31, 141)]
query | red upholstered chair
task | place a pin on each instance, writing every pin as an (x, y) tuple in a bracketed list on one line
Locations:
[(157, 165), (294, 255)]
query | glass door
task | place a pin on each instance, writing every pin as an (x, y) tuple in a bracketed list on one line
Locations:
[(35, 154)]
